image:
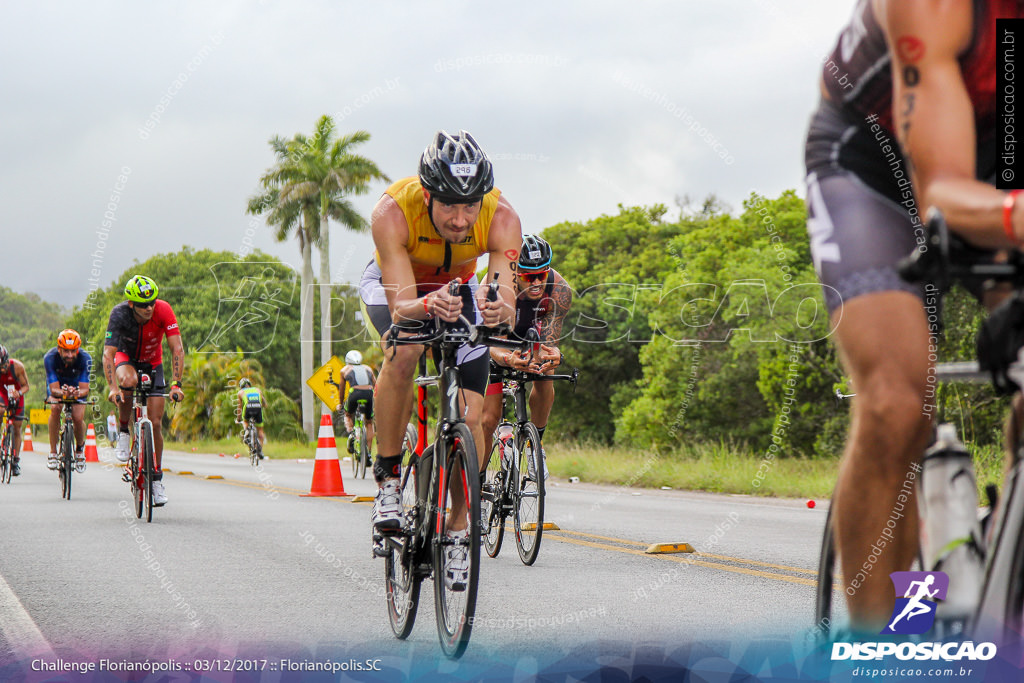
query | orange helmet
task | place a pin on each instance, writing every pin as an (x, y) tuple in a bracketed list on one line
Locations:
[(69, 339)]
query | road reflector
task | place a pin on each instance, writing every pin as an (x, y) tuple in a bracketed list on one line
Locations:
[(184, 472), (659, 548), (546, 526), (363, 499), (213, 476)]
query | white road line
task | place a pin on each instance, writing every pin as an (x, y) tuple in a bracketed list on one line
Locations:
[(20, 632)]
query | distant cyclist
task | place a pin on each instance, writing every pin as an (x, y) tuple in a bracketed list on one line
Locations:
[(360, 380), (250, 406), (134, 344), (543, 299), (67, 365), (13, 387)]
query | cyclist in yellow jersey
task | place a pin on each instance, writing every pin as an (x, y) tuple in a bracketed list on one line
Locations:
[(429, 230)]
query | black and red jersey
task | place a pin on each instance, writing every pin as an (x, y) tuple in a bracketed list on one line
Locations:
[(142, 342), (858, 72), (529, 312)]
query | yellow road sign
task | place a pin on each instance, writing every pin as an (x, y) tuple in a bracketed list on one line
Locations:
[(323, 383), (39, 416)]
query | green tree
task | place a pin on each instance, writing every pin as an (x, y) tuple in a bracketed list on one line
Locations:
[(320, 172), (224, 306), (294, 218)]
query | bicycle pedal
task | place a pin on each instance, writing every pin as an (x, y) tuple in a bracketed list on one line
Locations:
[(126, 477)]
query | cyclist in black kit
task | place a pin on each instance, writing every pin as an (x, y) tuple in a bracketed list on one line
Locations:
[(907, 121)]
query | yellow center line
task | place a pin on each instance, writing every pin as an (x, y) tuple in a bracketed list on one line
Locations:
[(562, 536), (690, 560), (757, 563)]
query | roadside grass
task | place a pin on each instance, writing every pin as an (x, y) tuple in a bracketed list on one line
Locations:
[(724, 468), (233, 444), (712, 467)]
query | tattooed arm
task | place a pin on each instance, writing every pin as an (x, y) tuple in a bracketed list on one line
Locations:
[(551, 325), (934, 117)]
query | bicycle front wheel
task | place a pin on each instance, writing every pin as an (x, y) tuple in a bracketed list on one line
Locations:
[(148, 468), (401, 580), (492, 500), (457, 558), (828, 574), (6, 464), (67, 454), (528, 494)]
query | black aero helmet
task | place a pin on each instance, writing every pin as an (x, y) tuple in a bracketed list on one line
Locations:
[(535, 253), (455, 170)]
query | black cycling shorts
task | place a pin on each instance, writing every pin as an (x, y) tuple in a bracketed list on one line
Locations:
[(254, 413), (357, 395)]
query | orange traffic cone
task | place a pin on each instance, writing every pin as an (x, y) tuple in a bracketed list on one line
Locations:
[(26, 443), (91, 454), (326, 468)]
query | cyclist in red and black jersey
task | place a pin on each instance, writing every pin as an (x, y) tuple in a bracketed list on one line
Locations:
[(133, 344), (907, 121), (13, 387), (543, 299)]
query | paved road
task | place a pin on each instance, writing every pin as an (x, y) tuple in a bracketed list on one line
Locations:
[(245, 565)]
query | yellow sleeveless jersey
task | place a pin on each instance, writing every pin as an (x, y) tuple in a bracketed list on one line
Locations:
[(436, 262)]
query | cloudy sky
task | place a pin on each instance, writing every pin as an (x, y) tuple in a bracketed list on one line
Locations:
[(158, 114)]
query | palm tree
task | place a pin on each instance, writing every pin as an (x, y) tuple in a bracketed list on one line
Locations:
[(288, 218), (325, 170)]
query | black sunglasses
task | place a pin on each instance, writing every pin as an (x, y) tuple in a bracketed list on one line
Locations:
[(151, 304)]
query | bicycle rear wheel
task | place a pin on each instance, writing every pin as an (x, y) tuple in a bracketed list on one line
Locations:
[(492, 499), (362, 451), (528, 494), (67, 450), (401, 580), (148, 466), (460, 480)]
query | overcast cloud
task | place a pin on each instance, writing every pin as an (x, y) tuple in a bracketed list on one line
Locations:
[(581, 105)]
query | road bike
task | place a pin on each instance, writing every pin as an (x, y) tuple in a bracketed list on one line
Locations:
[(999, 611), (65, 442), (251, 438), (7, 427), (141, 465), (432, 479), (514, 484), (361, 446)]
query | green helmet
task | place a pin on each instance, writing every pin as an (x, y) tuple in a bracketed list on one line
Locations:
[(141, 289)]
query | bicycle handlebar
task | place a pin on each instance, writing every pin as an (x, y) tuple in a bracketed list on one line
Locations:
[(945, 258)]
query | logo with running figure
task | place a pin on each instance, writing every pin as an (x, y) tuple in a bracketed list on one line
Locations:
[(916, 597)]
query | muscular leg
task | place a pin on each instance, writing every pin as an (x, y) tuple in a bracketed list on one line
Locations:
[(542, 397), (127, 378), (78, 415), (489, 421), (16, 437), (883, 342), (155, 407), (53, 427), (393, 404)]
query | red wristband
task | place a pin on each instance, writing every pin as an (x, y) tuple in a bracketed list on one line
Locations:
[(1009, 202), (425, 309)]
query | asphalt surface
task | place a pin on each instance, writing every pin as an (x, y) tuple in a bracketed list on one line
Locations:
[(244, 565)]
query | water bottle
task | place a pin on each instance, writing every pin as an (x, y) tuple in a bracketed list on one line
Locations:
[(506, 437), (950, 533)]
